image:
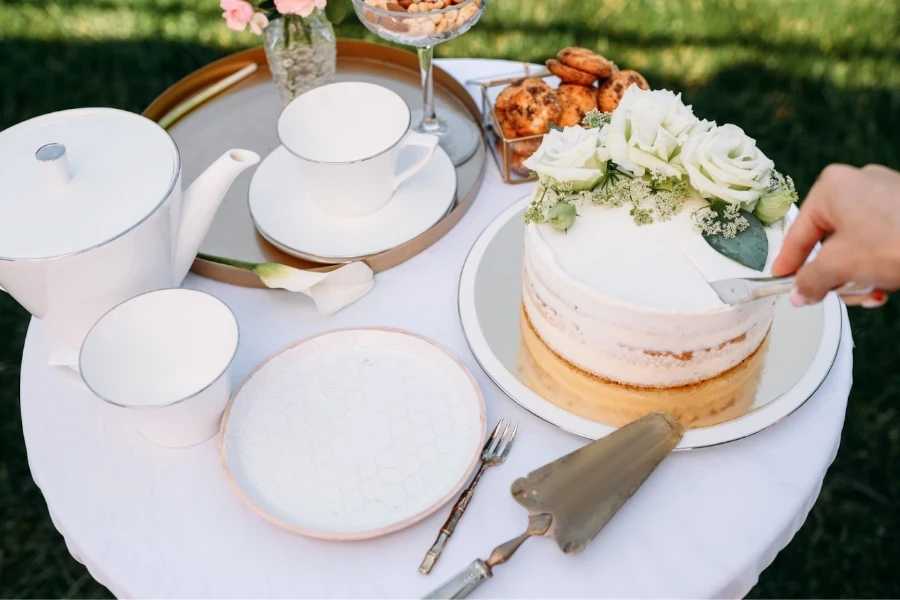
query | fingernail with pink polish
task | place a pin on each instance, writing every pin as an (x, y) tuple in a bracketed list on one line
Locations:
[(798, 299), (876, 299)]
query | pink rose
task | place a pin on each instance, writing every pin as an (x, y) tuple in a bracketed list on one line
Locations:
[(237, 13), (303, 8), (258, 22)]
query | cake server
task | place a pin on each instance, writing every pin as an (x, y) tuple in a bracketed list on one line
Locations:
[(572, 498), (739, 291)]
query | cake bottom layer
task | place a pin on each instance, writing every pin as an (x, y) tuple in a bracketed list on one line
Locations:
[(716, 400)]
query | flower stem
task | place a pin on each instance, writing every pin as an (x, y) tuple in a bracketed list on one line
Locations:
[(249, 266)]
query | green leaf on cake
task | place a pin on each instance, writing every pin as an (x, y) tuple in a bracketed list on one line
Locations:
[(749, 247)]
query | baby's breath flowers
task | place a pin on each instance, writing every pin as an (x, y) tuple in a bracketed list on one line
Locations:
[(594, 119), (642, 216), (615, 188), (722, 219)]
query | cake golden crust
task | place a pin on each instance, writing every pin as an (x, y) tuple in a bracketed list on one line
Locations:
[(716, 400)]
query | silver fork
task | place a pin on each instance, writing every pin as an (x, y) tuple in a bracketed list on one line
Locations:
[(495, 451)]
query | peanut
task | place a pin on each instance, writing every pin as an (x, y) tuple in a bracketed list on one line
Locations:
[(427, 27), (412, 26), (467, 12)]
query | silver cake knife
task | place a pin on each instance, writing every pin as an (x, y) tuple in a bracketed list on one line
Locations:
[(739, 291), (572, 498)]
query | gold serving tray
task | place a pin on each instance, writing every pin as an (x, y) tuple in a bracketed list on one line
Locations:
[(245, 115)]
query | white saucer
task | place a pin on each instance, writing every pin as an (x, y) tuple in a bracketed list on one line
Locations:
[(353, 433), (285, 214), (802, 344)]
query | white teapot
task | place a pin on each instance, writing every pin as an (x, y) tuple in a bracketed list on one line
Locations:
[(92, 213)]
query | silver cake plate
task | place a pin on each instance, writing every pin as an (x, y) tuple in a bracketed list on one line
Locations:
[(803, 343)]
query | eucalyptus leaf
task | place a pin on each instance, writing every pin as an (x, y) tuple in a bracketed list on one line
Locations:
[(749, 247)]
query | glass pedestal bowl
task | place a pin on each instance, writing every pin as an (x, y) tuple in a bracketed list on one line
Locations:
[(423, 25)]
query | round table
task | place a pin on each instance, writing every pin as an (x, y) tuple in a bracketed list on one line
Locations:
[(150, 522)]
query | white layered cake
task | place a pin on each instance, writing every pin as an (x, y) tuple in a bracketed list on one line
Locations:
[(632, 304)]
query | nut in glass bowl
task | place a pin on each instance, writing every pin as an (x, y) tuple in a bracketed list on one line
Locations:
[(419, 22)]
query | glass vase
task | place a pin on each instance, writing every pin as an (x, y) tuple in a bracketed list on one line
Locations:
[(301, 51)]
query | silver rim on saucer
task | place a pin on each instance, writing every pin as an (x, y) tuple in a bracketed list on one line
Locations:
[(336, 259), (803, 344), (348, 257)]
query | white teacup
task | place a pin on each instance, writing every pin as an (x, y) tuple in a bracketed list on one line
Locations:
[(347, 137), (165, 356)]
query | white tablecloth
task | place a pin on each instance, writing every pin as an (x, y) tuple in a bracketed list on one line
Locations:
[(150, 522)]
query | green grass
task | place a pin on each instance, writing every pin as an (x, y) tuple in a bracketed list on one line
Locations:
[(815, 81)]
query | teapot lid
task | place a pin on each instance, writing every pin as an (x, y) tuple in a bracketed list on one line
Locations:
[(75, 179)]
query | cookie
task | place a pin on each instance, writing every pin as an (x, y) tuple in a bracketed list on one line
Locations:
[(570, 75), (509, 132), (575, 101), (611, 91), (502, 103), (533, 108), (532, 83), (586, 61)]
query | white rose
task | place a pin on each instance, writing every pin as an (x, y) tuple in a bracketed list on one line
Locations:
[(725, 163), (648, 129), (569, 155)]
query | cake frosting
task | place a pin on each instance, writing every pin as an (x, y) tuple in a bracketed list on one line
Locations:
[(632, 305)]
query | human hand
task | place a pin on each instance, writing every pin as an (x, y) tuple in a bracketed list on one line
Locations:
[(857, 213)]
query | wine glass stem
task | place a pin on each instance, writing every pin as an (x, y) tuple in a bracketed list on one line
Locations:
[(430, 122)]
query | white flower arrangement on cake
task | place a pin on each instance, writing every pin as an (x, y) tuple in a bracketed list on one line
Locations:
[(652, 153)]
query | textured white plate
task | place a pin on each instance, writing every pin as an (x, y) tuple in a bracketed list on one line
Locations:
[(802, 343), (284, 213), (353, 433)]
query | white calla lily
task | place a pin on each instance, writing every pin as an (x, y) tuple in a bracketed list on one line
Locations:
[(331, 291)]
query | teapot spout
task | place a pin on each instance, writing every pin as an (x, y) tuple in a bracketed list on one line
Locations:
[(202, 200)]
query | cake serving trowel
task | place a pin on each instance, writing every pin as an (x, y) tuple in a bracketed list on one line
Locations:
[(572, 498), (739, 291)]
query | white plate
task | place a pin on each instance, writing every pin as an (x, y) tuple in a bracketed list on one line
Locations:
[(285, 214), (353, 433), (802, 344)]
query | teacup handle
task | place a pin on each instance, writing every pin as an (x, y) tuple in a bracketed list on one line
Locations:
[(414, 138)]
